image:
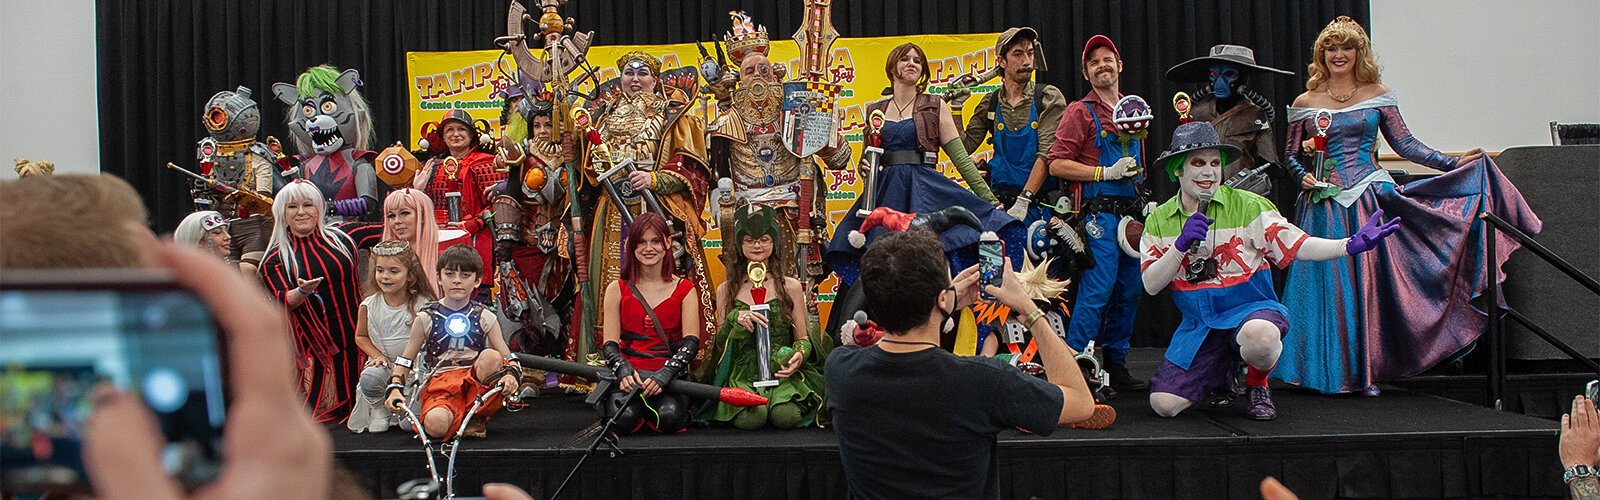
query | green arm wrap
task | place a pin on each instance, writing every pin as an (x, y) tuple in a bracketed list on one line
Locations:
[(969, 172)]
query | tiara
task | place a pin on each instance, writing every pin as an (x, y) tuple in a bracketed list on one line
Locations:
[(390, 248), (1344, 23)]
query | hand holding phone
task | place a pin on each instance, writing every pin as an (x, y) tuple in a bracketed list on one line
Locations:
[(991, 263), (270, 437)]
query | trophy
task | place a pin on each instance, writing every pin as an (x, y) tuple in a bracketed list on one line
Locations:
[(758, 292)]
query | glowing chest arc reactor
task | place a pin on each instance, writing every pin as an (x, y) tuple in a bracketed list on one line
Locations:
[(456, 328)]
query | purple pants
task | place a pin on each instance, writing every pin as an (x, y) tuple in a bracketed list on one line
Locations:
[(1212, 368)]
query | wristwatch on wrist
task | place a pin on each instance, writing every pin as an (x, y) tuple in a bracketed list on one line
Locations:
[(1577, 472)]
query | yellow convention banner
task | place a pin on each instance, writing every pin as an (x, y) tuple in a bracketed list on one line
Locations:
[(470, 79)]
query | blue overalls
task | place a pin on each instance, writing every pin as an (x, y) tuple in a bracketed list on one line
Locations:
[(1108, 293), (1015, 152)]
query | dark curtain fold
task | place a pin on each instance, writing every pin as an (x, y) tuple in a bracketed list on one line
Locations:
[(160, 60)]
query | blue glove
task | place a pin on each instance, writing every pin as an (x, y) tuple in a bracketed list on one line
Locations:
[(1194, 230), (1371, 233)]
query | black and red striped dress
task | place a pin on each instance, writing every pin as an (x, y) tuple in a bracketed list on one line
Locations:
[(324, 324)]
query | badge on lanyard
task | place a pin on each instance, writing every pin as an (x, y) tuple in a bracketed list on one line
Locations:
[(1093, 228)]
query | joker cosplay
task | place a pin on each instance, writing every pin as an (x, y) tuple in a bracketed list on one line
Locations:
[(1211, 245)]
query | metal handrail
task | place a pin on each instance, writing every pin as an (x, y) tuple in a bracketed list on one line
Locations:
[(1497, 314)]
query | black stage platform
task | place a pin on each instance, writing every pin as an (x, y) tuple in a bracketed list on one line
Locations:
[(1403, 444)]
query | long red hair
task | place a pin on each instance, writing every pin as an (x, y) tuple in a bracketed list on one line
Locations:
[(644, 223)]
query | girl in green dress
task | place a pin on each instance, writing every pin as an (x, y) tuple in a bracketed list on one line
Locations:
[(795, 362)]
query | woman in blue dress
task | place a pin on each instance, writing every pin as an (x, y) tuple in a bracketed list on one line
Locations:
[(915, 127), (1397, 311)]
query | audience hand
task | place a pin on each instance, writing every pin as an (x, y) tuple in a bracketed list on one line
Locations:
[(270, 445), (502, 491), (1580, 435), (1010, 292), (966, 293)]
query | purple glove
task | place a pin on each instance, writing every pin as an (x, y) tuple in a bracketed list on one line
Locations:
[(351, 207), (1371, 233), (1194, 230)]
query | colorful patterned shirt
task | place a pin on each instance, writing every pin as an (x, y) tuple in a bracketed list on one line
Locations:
[(1247, 234)]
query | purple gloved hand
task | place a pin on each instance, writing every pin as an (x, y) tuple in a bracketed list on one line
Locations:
[(1371, 233), (351, 207), (1194, 230)]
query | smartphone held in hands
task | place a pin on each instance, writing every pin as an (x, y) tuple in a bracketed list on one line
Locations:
[(65, 334), (991, 263)]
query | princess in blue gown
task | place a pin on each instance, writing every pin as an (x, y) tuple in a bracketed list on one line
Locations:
[(1398, 310)]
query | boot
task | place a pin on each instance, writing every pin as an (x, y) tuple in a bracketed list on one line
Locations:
[(1123, 381), (378, 417), (1261, 407)]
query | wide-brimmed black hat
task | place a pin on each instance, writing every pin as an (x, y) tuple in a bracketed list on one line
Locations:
[(1199, 68), (1194, 136)]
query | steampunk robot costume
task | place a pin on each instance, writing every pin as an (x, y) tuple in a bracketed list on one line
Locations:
[(231, 155)]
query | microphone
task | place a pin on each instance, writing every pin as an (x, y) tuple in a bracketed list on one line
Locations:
[(1205, 203)]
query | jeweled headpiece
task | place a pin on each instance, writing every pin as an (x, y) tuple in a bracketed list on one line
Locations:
[(1342, 28), (390, 248), (746, 37), (638, 58)]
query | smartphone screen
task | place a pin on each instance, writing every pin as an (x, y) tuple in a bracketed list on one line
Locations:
[(991, 265), (57, 344)]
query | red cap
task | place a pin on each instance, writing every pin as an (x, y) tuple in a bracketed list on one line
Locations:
[(1098, 41)]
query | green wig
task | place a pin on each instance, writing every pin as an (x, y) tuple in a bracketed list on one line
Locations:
[(324, 78)]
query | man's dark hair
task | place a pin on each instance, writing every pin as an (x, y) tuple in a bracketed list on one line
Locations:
[(461, 258), (1006, 49), (902, 275)]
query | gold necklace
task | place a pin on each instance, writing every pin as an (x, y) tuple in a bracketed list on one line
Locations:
[(1343, 98)]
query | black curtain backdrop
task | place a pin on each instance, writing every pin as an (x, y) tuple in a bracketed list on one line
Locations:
[(160, 60)]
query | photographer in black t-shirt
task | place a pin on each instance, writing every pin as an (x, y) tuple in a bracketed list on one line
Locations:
[(915, 421)]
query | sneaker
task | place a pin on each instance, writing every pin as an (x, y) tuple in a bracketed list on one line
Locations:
[(1261, 407), (478, 427), (378, 418), (1103, 417), (1371, 391), (1123, 381)]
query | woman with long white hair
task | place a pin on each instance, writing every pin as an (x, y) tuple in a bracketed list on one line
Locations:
[(311, 268), (208, 230)]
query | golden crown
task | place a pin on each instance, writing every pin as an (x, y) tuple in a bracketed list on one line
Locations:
[(746, 37)]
